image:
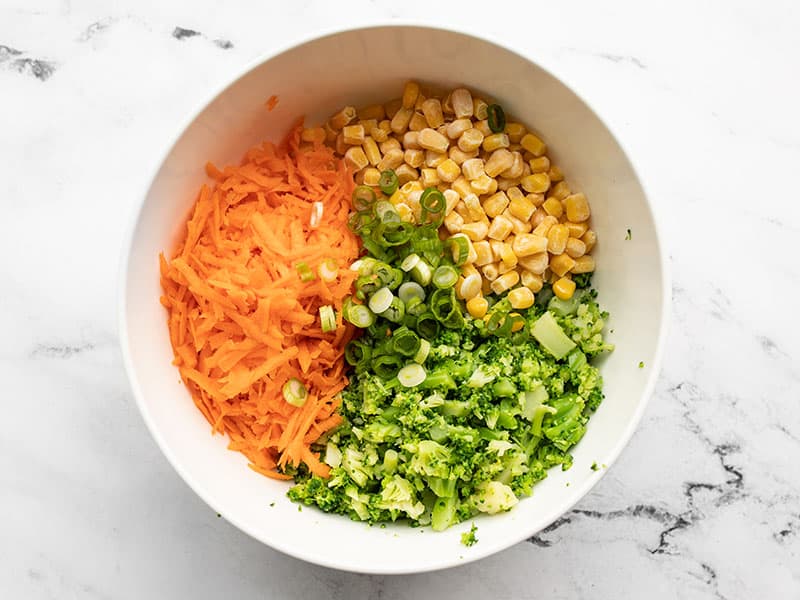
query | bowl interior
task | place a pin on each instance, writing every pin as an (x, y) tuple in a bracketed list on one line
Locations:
[(315, 79)]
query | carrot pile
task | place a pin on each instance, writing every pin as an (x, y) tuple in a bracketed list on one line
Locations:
[(241, 320)]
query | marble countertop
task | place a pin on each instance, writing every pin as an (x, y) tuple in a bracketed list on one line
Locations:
[(704, 502)]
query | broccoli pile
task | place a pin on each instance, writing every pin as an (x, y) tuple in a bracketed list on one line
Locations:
[(492, 416)]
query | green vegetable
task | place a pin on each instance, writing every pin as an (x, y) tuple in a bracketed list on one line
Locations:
[(496, 118), (550, 335), (468, 537), (388, 182), (294, 392)]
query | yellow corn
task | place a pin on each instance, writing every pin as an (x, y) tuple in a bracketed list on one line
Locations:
[(379, 135), (483, 252), (497, 248), (414, 158), (448, 170), (495, 141), (518, 226), (535, 182), (503, 183), (457, 127), (495, 204), (557, 239), (371, 151), (500, 160), (564, 288), (451, 198), (353, 135), (514, 193), (521, 298), (553, 207), (533, 144), (555, 174), (410, 93), (536, 263), (406, 174), (477, 307), (405, 212), (540, 165), (373, 111), (500, 228), (515, 131), (453, 222), (561, 264), (371, 176), (470, 140), (411, 140), (536, 199), (544, 227), (461, 100), (392, 107), (538, 216), (461, 186), (330, 133), (474, 207), (480, 108), (417, 122), (339, 144), (472, 168), (575, 247), (429, 177), (399, 196), (505, 282), (507, 255), (368, 124), (583, 264), (342, 118), (313, 134), (576, 230), (390, 144), (521, 208), (590, 239), (532, 281), (433, 159), (483, 127), (401, 119), (411, 186), (475, 231), (560, 190), (469, 269), (459, 156), (517, 167), (391, 159), (470, 287), (430, 139), (577, 208), (526, 244), (482, 184), (490, 271), (504, 268), (432, 109)]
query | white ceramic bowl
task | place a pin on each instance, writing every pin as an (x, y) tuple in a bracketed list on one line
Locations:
[(315, 79)]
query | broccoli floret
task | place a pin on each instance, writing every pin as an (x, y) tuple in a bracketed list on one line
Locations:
[(429, 458), (468, 537), (398, 496), (493, 497)]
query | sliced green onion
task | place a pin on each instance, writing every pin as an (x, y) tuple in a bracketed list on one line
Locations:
[(328, 270), (304, 271), (386, 366), (427, 326), (415, 307), (294, 392), (359, 315), (421, 273), (405, 341), (496, 118), (392, 233), (396, 311), (381, 300), (357, 353), (459, 245), (499, 324), (411, 375), (386, 212), (316, 214), (433, 201), (368, 284), (359, 221), (443, 304), (327, 317), (364, 266), (409, 262), (422, 353), (445, 277), (409, 290), (388, 182), (363, 197)]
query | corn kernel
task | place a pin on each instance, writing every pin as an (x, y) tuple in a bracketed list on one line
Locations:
[(538, 216), (371, 151), (482, 184), (457, 127), (561, 264), (517, 226), (462, 186), (475, 231), (330, 133), (453, 222), (535, 263), (495, 204), (555, 174), (500, 228), (500, 160), (507, 255), (540, 164), (342, 118), (480, 108), (405, 212), (536, 199), (483, 127), (410, 93), (474, 207), (405, 174), (461, 100), (536, 183), (472, 168), (368, 125), (401, 120), (590, 239), (432, 109), (495, 141), (503, 183), (514, 193), (505, 281), (313, 134), (516, 168), (577, 208), (470, 287), (429, 177), (430, 139), (583, 264), (411, 140), (557, 239), (371, 176), (339, 144), (564, 288), (490, 271), (503, 268), (553, 207), (392, 107), (355, 158), (526, 244), (533, 144), (576, 230), (560, 190), (373, 111), (521, 298), (353, 135), (390, 144), (531, 280), (459, 156), (379, 135), (470, 140), (544, 227), (483, 252), (448, 170), (575, 247), (521, 208), (411, 186), (451, 198), (497, 248), (477, 307), (399, 196), (434, 159), (391, 159), (414, 158), (515, 131), (417, 122)]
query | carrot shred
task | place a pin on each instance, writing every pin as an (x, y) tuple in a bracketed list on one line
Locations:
[(242, 322)]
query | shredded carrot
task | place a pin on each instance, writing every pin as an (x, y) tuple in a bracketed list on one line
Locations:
[(241, 321), (272, 102)]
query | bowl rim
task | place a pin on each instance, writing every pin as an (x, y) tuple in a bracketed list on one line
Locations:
[(134, 216)]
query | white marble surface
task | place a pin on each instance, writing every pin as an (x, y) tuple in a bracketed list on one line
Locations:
[(705, 501)]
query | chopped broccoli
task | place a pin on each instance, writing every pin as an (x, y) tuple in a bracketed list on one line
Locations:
[(468, 537)]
